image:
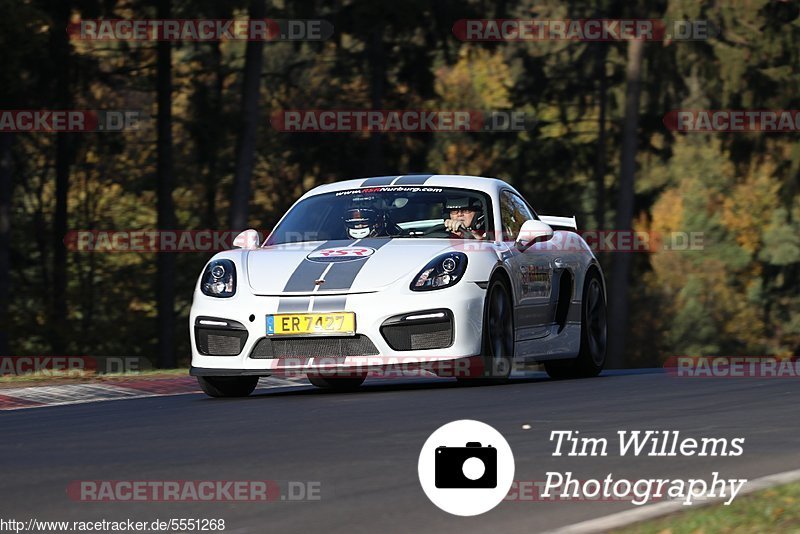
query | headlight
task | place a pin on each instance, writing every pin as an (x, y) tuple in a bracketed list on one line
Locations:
[(444, 271), (219, 279)]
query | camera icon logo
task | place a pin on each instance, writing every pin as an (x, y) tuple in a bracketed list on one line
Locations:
[(472, 466), (466, 467)]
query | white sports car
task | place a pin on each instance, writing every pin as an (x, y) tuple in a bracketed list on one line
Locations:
[(456, 275)]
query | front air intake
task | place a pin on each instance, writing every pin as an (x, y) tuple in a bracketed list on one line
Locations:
[(425, 330), (219, 337), (313, 347)]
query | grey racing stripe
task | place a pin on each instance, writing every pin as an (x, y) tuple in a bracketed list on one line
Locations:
[(293, 304), (342, 275), (380, 180), (308, 271), (412, 179), (329, 303)]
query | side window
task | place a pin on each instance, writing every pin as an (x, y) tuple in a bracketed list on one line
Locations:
[(513, 213)]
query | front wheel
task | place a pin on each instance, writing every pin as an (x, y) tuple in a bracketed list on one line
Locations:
[(592, 355), (498, 336), (228, 386)]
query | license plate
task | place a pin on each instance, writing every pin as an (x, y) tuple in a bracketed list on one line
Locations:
[(311, 324)]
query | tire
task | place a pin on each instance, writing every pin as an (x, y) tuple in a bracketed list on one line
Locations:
[(592, 355), (228, 386), (337, 383), (498, 336)]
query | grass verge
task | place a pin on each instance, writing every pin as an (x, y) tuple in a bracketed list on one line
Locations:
[(771, 510)]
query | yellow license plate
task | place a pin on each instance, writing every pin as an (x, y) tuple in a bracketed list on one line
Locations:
[(311, 324)]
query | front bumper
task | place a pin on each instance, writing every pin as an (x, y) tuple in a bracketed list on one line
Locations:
[(246, 313)]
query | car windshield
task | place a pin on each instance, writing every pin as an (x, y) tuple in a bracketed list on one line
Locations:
[(385, 212)]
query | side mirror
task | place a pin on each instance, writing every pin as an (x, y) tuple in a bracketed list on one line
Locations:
[(249, 239), (533, 231)]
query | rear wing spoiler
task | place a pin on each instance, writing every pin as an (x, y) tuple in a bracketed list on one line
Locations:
[(568, 223)]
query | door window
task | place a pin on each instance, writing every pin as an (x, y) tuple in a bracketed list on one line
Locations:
[(513, 213)]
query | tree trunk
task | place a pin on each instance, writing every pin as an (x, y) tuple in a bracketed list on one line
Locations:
[(618, 298), (60, 50), (6, 141), (600, 164), (377, 65), (211, 167), (246, 143), (165, 261)]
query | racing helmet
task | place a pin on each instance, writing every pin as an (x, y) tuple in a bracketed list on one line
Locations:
[(462, 203), (362, 222), (466, 203)]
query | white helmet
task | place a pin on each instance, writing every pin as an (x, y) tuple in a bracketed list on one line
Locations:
[(362, 222)]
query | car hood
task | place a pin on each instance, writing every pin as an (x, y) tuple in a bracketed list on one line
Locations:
[(345, 266)]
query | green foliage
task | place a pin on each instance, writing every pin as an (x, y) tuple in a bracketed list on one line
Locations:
[(781, 240), (719, 298)]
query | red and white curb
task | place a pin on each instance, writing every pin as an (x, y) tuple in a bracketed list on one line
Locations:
[(42, 396)]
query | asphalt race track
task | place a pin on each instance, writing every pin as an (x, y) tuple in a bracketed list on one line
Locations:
[(363, 447)]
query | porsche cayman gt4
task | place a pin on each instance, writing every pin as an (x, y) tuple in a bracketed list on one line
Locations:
[(455, 275)]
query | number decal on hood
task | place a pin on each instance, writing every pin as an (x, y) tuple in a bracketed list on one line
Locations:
[(340, 254)]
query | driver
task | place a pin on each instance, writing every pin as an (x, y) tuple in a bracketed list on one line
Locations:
[(466, 218), (363, 222)]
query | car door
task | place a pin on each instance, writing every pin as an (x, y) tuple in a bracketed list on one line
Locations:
[(532, 272)]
